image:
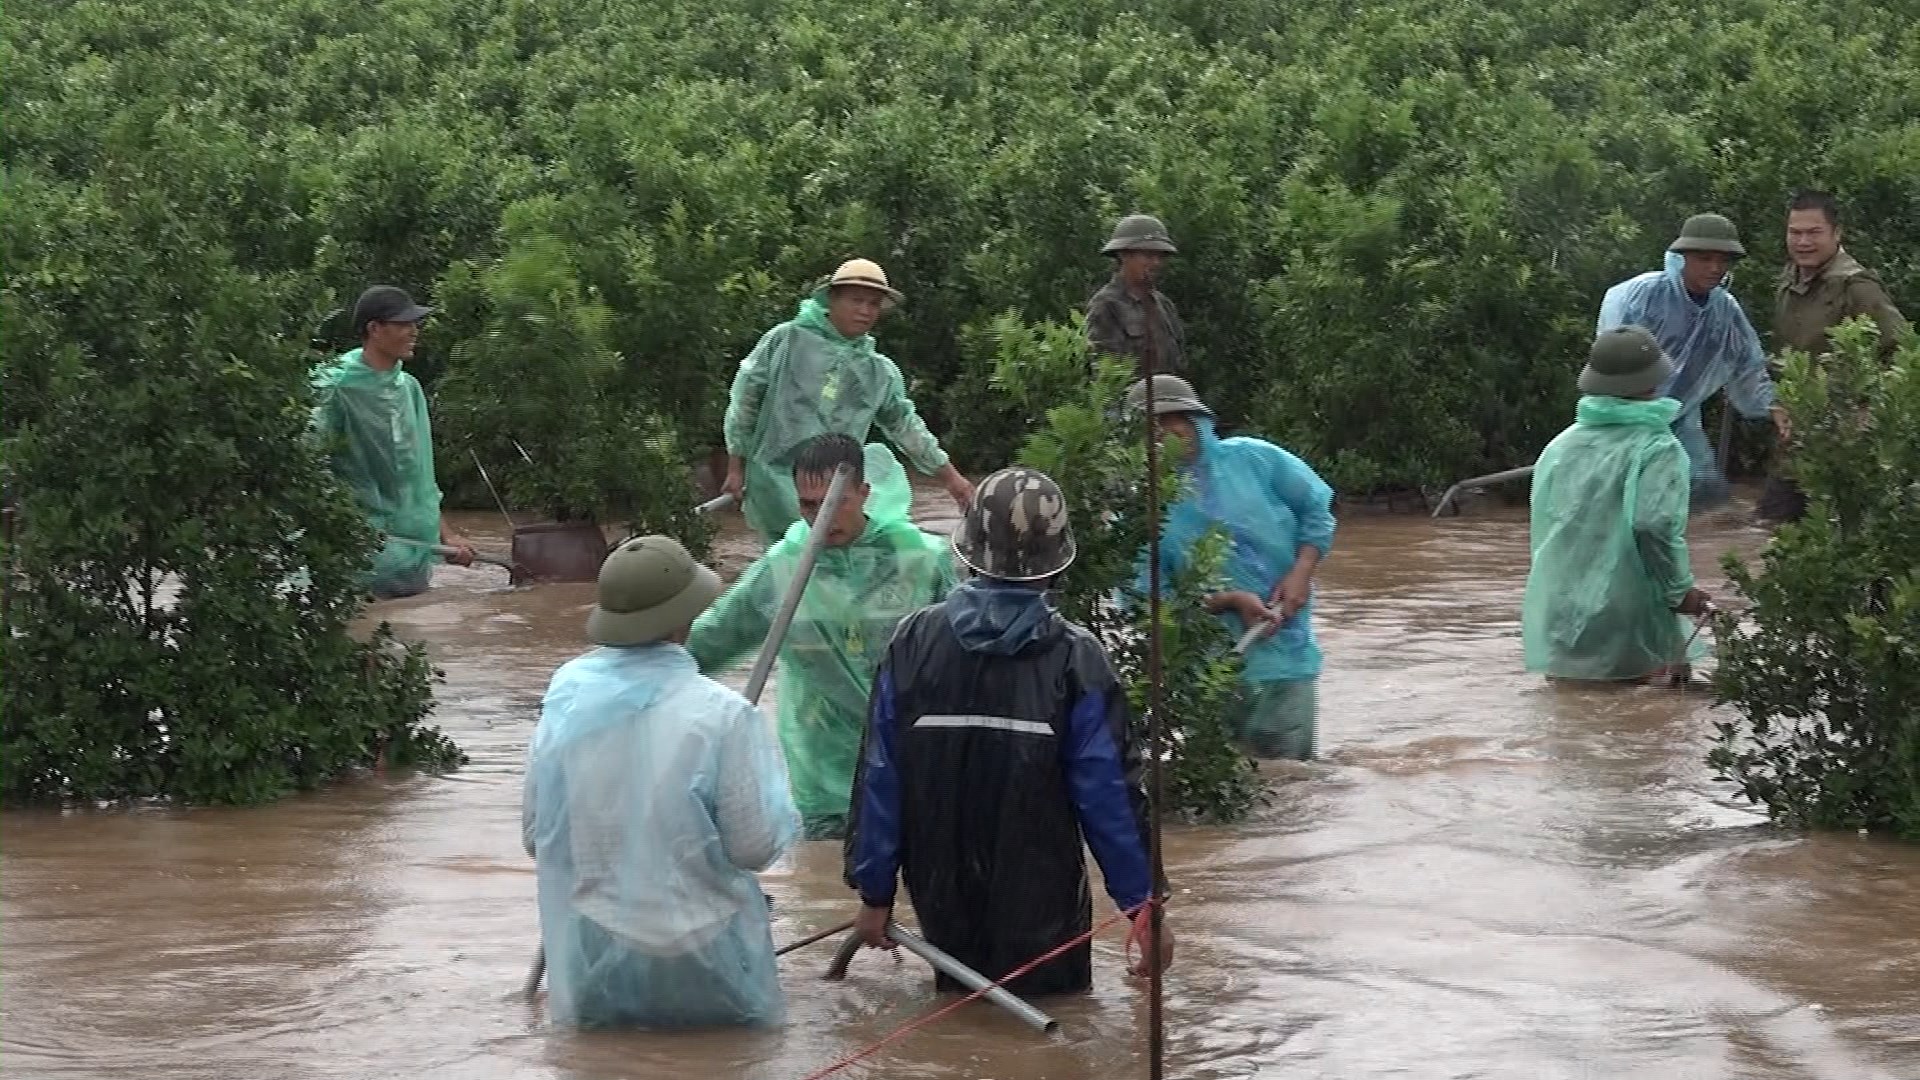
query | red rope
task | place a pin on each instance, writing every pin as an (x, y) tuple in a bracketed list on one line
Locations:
[(923, 1021)]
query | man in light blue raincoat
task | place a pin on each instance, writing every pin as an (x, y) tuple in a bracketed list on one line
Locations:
[(1278, 515), (652, 796), (1703, 329)]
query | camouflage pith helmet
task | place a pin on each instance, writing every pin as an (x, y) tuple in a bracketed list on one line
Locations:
[(1139, 232), (1016, 529), (1708, 232)]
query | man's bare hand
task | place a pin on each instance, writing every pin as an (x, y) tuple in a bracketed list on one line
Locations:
[(871, 926)]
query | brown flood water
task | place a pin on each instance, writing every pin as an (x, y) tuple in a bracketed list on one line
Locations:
[(1485, 878)]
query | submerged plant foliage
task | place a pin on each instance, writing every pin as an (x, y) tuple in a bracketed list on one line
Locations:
[(1096, 453), (1827, 676)]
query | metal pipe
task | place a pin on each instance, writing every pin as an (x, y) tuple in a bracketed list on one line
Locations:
[(816, 539), (970, 978), (1156, 1020), (478, 556), (811, 938), (841, 958), (532, 986), (1478, 482), (721, 502)]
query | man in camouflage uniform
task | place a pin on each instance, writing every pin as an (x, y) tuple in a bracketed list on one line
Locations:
[(1128, 313), (1821, 287)]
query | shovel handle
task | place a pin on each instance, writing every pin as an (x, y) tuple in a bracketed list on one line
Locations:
[(478, 556)]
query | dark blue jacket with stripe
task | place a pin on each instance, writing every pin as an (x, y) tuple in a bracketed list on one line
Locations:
[(997, 742)]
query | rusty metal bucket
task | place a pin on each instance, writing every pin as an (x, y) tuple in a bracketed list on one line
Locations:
[(557, 551)]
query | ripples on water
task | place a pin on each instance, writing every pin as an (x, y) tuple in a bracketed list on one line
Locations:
[(1485, 877)]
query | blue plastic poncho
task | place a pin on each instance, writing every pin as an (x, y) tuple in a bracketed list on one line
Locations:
[(1270, 503), (803, 379), (1713, 346), (652, 793), (386, 458), (1609, 544)]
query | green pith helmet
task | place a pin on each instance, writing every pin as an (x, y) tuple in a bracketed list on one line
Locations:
[(1016, 529), (649, 588), (1625, 361), (1708, 232), (1139, 232)]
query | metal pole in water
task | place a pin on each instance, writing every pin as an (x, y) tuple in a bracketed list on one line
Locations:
[(968, 977), (1156, 1048), (816, 539)]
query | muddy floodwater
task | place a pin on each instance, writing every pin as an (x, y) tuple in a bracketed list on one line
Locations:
[(1485, 877)]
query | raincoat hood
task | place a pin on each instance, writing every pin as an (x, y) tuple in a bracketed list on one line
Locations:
[(998, 618), (1677, 262), (1269, 503), (813, 316), (1596, 410)]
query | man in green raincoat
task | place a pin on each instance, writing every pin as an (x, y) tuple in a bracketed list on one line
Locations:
[(1609, 517), (375, 409), (818, 373), (876, 568)]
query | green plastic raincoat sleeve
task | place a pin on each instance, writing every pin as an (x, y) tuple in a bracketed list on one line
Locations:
[(1660, 522), (742, 423), (898, 418), (737, 623)]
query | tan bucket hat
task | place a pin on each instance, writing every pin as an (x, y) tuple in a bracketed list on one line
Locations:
[(862, 272), (649, 588)]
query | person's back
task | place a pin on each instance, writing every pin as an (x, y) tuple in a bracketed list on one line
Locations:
[(652, 795), (1608, 521), (997, 745)]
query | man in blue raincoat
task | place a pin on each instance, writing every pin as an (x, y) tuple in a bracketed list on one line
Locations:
[(1278, 515), (1706, 333), (652, 796)]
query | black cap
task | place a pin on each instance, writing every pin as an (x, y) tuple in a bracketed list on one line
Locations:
[(385, 303)]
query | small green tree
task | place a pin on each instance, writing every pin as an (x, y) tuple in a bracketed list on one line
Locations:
[(182, 578), (537, 388), (1081, 438), (1827, 679)]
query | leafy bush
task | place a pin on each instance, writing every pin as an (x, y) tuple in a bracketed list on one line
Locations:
[(1827, 680), (183, 577), (537, 389), (1396, 217), (1100, 464)]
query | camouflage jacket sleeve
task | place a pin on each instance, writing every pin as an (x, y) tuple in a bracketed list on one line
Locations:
[(1104, 332)]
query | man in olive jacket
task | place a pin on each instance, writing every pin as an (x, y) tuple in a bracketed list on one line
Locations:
[(1821, 287), (1129, 312)]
